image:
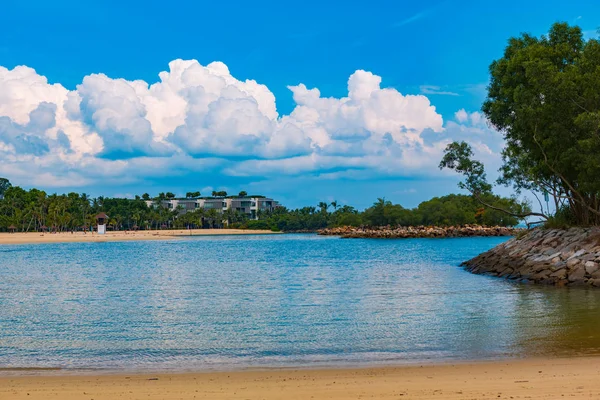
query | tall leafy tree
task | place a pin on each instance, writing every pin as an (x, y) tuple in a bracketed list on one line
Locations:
[(4, 185), (544, 97), (458, 156)]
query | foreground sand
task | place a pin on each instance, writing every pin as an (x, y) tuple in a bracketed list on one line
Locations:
[(575, 378), (36, 237)]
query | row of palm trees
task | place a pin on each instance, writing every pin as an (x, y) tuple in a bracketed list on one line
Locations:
[(34, 210)]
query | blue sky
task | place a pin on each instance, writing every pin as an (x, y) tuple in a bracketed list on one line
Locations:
[(93, 136)]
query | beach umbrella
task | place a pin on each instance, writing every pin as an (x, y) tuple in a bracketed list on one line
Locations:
[(43, 228), (135, 227), (12, 228), (164, 226)]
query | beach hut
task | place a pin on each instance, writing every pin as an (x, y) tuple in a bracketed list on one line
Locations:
[(102, 219), (12, 228), (43, 228), (135, 227)]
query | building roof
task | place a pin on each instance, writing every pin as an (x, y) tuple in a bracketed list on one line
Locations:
[(216, 197), (102, 215)]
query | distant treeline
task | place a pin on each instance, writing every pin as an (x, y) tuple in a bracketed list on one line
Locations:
[(34, 210), (451, 210)]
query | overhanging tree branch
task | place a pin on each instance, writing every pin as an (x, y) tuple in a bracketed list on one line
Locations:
[(517, 215)]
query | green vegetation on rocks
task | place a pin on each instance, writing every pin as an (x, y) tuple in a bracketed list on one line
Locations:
[(451, 210)]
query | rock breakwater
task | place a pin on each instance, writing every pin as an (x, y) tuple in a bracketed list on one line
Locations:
[(403, 232), (558, 257)]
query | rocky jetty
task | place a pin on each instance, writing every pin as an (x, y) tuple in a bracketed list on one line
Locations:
[(561, 257), (405, 232)]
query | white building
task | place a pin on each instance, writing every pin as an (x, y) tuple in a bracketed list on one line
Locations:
[(247, 205)]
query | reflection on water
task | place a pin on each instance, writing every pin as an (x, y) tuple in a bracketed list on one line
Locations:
[(299, 300), (558, 322)]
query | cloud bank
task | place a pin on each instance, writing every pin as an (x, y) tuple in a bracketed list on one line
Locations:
[(202, 120)]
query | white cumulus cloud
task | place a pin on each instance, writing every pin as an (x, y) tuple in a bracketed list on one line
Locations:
[(201, 119)]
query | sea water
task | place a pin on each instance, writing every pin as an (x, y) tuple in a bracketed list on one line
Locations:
[(234, 302)]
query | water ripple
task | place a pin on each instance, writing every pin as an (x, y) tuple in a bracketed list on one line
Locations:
[(293, 300)]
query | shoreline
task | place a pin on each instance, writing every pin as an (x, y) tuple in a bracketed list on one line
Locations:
[(120, 236), (542, 378), (33, 371)]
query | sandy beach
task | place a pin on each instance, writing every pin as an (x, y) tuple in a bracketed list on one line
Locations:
[(575, 378), (65, 237)]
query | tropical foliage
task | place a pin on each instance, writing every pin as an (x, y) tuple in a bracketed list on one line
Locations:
[(544, 97), (35, 210), (439, 211)]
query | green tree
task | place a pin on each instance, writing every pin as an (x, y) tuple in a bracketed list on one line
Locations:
[(544, 97), (323, 206), (4, 185), (458, 156), (243, 194)]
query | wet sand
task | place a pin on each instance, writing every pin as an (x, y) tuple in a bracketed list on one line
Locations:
[(65, 237), (575, 378)]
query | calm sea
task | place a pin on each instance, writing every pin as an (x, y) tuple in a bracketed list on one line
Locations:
[(269, 301)]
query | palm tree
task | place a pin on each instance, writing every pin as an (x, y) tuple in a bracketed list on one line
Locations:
[(213, 215), (85, 205), (136, 218), (199, 217), (334, 204), (323, 206)]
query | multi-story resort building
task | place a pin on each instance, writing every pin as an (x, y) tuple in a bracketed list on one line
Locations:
[(247, 205)]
